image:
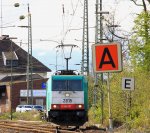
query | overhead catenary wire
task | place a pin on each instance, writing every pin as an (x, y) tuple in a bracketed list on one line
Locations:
[(67, 29), (72, 16)]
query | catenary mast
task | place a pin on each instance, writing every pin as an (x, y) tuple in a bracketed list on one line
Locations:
[(29, 61), (98, 39), (85, 41)]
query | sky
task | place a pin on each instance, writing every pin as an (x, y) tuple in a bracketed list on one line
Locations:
[(50, 26)]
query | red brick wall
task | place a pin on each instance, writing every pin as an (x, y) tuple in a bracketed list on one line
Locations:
[(37, 84)]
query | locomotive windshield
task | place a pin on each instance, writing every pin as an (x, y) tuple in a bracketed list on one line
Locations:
[(67, 85)]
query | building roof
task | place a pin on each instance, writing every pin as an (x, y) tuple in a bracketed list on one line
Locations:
[(6, 46), (20, 78)]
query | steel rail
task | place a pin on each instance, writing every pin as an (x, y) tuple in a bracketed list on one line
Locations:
[(31, 127)]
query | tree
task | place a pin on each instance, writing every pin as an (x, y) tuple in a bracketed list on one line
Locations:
[(140, 42), (141, 4)]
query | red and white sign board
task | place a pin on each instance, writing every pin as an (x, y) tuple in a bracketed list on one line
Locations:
[(107, 57)]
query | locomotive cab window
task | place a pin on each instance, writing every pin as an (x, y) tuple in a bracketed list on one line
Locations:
[(75, 85), (67, 85), (59, 85)]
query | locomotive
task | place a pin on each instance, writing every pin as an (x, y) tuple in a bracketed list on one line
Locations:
[(67, 99)]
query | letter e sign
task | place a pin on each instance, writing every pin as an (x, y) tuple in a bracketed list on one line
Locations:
[(128, 83), (107, 57)]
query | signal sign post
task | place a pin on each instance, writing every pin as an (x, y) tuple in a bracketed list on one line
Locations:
[(106, 59)]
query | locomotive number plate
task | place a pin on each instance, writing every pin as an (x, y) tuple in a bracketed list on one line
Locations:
[(67, 100)]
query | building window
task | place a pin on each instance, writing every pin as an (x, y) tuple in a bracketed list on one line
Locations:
[(23, 101), (39, 102), (8, 57)]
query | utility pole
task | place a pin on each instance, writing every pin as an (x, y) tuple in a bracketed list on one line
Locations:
[(99, 24), (85, 41), (29, 61), (99, 39), (29, 56)]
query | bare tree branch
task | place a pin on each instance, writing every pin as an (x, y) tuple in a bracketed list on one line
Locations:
[(144, 5), (112, 32), (136, 3)]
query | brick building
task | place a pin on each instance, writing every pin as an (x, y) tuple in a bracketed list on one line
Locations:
[(13, 81)]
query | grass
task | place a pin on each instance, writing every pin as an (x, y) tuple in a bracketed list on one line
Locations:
[(27, 116)]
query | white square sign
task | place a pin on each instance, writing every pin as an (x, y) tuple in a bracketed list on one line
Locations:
[(128, 84)]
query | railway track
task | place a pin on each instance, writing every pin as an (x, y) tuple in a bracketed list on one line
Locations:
[(29, 127), (39, 127)]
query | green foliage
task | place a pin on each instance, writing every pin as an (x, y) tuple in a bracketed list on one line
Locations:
[(90, 90), (94, 114), (128, 107), (95, 109), (140, 42), (132, 108), (27, 116), (5, 116)]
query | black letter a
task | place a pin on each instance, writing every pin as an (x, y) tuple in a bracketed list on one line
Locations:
[(106, 51)]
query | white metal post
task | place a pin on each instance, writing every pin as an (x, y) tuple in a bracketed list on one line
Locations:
[(109, 105)]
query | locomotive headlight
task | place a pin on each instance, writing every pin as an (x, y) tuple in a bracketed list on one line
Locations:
[(67, 95), (79, 106), (54, 106)]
